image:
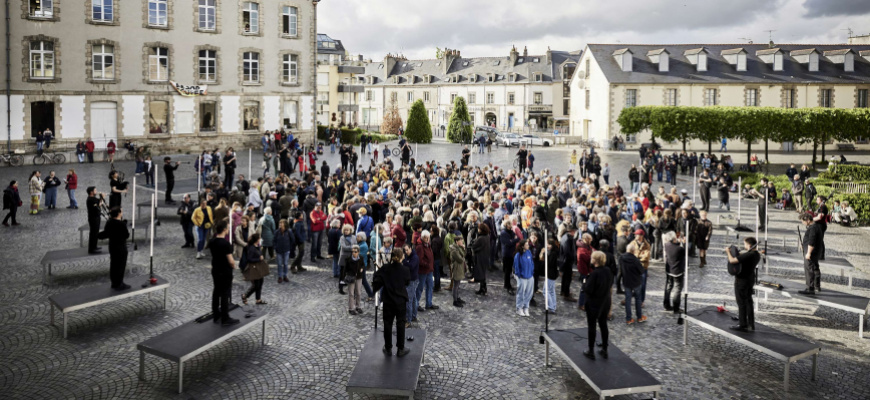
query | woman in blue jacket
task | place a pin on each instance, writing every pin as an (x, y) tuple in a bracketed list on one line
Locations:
[(524, 269)]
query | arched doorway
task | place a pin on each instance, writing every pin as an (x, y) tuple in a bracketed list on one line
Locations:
[(490, 119)]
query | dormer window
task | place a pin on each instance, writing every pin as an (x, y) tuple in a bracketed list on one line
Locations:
[(410, 80), (842, 56), (538, 77), (623, 58), (490, 78), (736, 57), (427, 78), (810, 57), (698, 58), (395, 80), (472, 77), (519, 60), (512, 77), (536, 59), (771, 57), (660, 57)]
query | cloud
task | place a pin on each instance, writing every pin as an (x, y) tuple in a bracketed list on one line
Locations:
[(489, 28), (831, 8)]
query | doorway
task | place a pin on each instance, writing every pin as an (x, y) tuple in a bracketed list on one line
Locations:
[(490, 119), (104, 122), (41, 117)]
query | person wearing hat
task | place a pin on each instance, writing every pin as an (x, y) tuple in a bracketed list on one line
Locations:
[(642, 251)]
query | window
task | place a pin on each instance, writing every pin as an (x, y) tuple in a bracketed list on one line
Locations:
[(157, 13), (426, 97), (410, 96), (490, 78), (710, 97), (158, 117), (102, 10), (862, 98), (291, 68), (208, 66), (452, 98), (42, 60), (207, 12), (751, 97), (251, 113), (789, 98), (630, 98), (42, 8), (104, 62), (251, 67), (539, 77), (370, 95), (512, 77), (472, 98), (512, 98), (826, 97), (158, 64), (251, 17), (566, 106), (394, 96), (566, 90), (471, 117), (588, 67), (538, 98), (588, 97), (208, 116), (670, 97), (289, 20), (490, 98)]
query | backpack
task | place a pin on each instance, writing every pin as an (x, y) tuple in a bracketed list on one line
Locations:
[(734, 268), (7, 199)]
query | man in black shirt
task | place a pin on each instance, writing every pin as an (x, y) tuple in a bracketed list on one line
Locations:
[(185, 212), (812, 248), (743, 283), (169, 173), (116, 232), (93, 205), (675, 267), (393, 278), (821, 219), (521, 156), (222, 265)]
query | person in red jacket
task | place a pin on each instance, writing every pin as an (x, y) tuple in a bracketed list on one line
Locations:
[(318, 225), (426, 270), (72, 183), (110, 150), (89, 146), (584, 259), (398, 232)]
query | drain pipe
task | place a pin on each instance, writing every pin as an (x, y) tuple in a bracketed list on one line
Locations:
[(8, 86)]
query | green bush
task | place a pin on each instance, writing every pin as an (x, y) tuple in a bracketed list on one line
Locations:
[(459, 127), (849, 172), (351, 136), (419, 130)]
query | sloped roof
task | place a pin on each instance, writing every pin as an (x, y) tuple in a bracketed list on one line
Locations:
[(838, 52), (729, 52), (720, 71), (803, 52)]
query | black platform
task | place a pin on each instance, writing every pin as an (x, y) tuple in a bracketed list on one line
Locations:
[(780, 345), (829, 298), (101, 294), (616, 375), (143, 224), (842, 265), (161, 204), (376, 373), (72, 255), (188, 340)]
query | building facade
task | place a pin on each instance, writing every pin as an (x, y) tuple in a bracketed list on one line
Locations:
[(519, 92), (173, 74), (611, 77), (338, 90)]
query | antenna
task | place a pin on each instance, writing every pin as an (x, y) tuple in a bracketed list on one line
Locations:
[(746, 39), (851, 33), (770, 34)]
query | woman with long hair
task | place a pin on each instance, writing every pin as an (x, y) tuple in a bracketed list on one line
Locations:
[(254, 256)]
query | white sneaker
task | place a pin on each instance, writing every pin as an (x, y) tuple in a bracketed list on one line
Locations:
[(520, 312), (526, 312), (198, 256)]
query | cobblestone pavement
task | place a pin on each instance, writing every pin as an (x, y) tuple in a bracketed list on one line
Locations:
[(482, 351)]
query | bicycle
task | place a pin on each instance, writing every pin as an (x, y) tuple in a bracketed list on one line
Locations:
[(15, 160), (54, 158), (398, 151)]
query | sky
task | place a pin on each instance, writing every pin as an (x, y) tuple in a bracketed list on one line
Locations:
[(480, 28)]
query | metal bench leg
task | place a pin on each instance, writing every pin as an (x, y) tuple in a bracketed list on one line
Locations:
[(180, 376), (64, 325), (815, 364), (785, 382), (861, 327), (141, 365), (164, 298), (52, 313), (263, 340), (546, 354), (685, 331)]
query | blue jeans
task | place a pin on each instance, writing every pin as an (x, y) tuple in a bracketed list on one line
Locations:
[(282, 259), (72, 197), (51, 197), (635, 187), (659, 176), (39, 147), (425, 283), (201, 233), (81, 157), (636, 294), (524, 292), (643, 287), (412, 300), (606, 179), (367, 287), (316, 246), (332, 148), (551, 294), (581, 299), (335, 268)]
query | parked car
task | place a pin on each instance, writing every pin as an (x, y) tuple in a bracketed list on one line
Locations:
[(536, 140), (509, 139)]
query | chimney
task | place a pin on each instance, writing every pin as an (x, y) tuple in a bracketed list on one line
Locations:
[(514, 55), (525, 51), (549, 55), (447, 59), (389, 63)]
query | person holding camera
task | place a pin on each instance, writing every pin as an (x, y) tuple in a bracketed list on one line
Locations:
[(744, 280), (93, 205), (117, 233), (117, 187)]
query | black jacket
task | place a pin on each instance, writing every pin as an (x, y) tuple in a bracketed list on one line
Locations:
[(676, 258), (632, 271), (117, 233), (597, 290), (393, 278), (169, 172)]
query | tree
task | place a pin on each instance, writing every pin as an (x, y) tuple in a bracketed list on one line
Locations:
[(419, 129), (459, 127), (438, 53), (392, 120)]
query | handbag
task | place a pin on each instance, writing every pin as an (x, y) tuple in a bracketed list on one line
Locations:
[(257, 270)]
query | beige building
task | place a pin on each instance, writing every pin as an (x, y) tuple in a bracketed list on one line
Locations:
[(338, 90), (611, 77), (171, 73)]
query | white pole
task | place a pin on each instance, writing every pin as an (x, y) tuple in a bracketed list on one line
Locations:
[(766, 221), (153, 205), (546, 279), (199, 176), (686, 270), (739, 197), (250, 160), (156, 188), (695, 186), (756, 222), (134, 203)]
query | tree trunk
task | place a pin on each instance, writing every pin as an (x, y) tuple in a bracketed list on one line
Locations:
[(823, 152), (766, 157), (684, 145), (709, 147), (815, 147), (748, 152)]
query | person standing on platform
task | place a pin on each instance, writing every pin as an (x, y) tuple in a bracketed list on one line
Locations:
[(703, 233), (597, 289), (93, 205), (169, 176), (116, 189), (11, 202), (675, 267), (812, 249), (743, 283), (185, 212), (116, 232), (393, 278), (222, 265)]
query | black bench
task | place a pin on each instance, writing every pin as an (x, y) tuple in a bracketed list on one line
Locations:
[(144, 224), (96, 295), (767, 340), (161, 204), (829, 264), (72, 255), (377, 373), (845, 146), (616, 375), (186, 341), (828, 298)]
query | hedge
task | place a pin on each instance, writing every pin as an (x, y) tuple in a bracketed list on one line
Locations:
[(847, 172), (351, 136)]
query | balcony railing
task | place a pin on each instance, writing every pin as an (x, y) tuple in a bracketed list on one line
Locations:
[(350, 88)]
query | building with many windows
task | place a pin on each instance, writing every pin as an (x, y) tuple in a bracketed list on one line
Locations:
[(164, 72), (517, 92), (611, 77), (338, 90)]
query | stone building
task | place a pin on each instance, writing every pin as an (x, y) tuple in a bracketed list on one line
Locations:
[(611, 77), (173, 74), (338, 91)]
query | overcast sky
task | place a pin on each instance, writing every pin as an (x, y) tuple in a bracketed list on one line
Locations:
[(414, 28)]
